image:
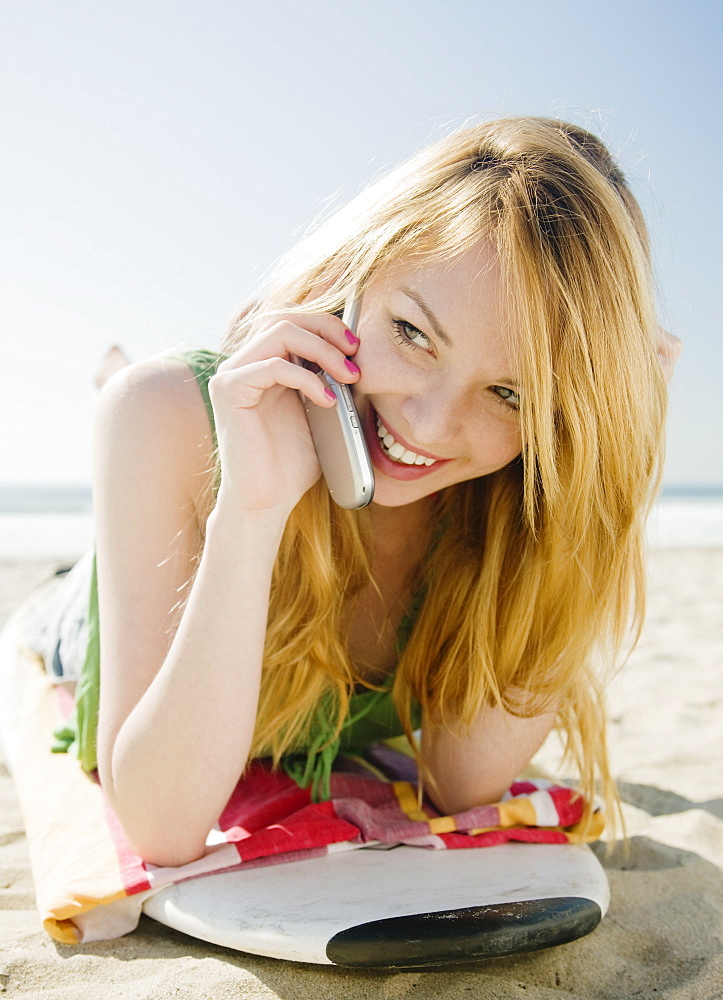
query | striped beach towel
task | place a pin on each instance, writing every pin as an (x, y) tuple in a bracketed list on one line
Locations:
[(90, 885)]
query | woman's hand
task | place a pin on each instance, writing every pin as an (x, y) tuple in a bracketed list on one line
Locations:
[(266, 452)]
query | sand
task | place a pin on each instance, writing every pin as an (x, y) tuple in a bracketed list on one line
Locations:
[(663, 935)]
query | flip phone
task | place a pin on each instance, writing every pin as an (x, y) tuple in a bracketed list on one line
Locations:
[(337, 435)]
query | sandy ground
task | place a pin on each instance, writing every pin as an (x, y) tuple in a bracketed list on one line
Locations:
[(663, 936)]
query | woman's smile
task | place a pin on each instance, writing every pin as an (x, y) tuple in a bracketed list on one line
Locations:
[(392, 455)]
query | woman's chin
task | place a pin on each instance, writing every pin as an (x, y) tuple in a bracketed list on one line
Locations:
[(392, 493)]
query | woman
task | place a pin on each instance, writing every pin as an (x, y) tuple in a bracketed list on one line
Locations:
[(505, 371)]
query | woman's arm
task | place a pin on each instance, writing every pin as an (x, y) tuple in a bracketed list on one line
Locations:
[(477, 766), (181, 641), (183, 618)]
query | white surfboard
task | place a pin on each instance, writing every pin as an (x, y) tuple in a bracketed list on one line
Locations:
[(406, 907)]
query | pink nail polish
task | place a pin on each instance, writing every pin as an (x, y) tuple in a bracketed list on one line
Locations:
[(351, 337), (351, 366), (330, 393)]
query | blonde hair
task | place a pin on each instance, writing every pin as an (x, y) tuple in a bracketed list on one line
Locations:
[(539, 571)]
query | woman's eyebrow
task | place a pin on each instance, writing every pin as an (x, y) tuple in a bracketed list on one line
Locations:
[(434, 322)]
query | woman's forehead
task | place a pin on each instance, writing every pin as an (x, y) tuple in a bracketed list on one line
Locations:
[(466, 284), (464, 267)]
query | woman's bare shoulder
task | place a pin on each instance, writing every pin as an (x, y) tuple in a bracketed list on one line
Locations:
[(161, 381), (151, 415)]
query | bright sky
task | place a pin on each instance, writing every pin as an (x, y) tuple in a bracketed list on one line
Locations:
[(158, 156)]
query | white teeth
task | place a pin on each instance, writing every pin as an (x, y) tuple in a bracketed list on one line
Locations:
[(397, 451)]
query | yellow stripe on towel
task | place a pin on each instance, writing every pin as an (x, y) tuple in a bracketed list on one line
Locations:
[(586, 833), (407, 797), (517, 812), (442, 824)]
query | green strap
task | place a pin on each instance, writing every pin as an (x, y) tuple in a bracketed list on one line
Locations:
[(204, 365)]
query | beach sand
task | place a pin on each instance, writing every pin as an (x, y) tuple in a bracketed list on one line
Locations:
[(663, 935)]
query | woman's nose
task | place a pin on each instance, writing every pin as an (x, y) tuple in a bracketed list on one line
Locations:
[(436, 415)]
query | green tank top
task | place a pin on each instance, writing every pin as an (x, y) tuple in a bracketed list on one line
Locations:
[(372, 715)]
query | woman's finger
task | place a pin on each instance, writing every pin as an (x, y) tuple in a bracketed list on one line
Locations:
[(321, 339), (243, 387)]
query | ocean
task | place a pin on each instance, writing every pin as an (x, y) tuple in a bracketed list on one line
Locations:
[(45, 522), (56, 522)]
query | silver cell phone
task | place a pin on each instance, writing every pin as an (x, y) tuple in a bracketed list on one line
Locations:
[(338, 437)]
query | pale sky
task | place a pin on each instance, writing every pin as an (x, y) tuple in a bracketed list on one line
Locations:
[(158, 156)]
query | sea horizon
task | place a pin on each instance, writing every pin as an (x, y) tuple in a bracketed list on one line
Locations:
[(54, 522), (58, 498)]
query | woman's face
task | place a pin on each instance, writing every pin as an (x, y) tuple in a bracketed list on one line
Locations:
[(436, 376)]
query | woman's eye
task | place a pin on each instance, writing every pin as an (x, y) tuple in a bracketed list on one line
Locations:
[(508, 396), (410, 336)]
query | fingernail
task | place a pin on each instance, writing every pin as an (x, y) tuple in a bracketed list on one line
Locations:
[(330, 393), (351, 337), (351, 366)]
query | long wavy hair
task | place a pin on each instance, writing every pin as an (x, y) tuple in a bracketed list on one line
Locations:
[(537, 579)]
